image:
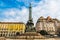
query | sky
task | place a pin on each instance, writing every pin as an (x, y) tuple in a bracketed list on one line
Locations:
[(18, 10)]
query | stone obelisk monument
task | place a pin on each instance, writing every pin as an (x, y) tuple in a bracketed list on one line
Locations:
[(29, 24)]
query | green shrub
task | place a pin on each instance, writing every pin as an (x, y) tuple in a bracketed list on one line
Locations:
[(43, 32)]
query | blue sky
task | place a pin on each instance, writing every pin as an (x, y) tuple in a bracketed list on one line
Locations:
[(17, 10), (15, 3)]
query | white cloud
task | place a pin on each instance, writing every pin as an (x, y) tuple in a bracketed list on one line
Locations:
[(44, 8), (47, 8), (10, 12), (16, 15)]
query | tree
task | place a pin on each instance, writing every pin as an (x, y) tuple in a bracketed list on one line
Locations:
[(17, 34), (43, 32), (58, 31)]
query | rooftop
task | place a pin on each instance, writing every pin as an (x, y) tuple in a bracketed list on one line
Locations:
[(11, 22)]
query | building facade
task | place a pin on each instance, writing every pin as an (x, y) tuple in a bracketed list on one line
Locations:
[(11, 28), (48, 24)]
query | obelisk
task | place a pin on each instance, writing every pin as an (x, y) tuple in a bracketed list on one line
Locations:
[(29, 24)]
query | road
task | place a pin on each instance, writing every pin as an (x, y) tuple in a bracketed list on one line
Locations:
[(36, 39)]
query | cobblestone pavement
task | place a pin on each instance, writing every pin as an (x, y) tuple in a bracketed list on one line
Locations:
[(36, 39)]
